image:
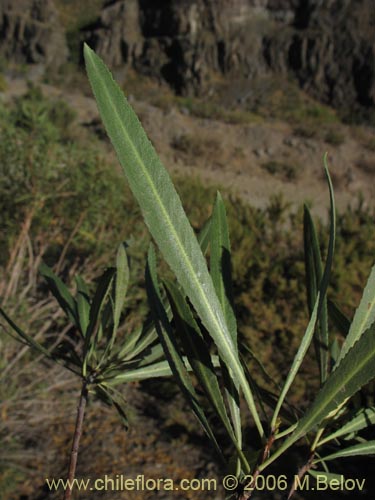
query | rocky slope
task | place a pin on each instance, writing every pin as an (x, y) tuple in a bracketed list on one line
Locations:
[(191, 44), (30, 32), (328, 46)]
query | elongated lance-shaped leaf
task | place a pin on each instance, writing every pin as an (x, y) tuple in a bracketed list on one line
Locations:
[(60, 292), (101, 294), (364, 316), (83, 312), (83, 305), (367, 448), (37, 346), (163, 213), (361, 419), (314, 273), (114, 306), (204, 235), (113, 397), (221, 273), (138, 335), (153, 370), (27, 339), (304, 345), (354, 371), (116, 365), (220, 264), (339, 319), (171, 350), (334, 350), (306, 340), (121, 286), (199, 358)]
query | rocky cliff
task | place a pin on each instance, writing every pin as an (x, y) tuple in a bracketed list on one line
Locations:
[(328, 46), (30, 32)]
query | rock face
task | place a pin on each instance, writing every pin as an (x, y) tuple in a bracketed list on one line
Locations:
[(331, 50), (328, 45), (30, 32)]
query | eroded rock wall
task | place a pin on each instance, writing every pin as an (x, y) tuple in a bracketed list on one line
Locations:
[(327, 45), (30, 32)]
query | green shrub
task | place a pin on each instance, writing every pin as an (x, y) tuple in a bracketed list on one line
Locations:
[(202, 306), (285, 170)]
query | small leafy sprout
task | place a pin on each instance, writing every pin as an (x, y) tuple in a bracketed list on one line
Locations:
[(95, 357), (202, 306)]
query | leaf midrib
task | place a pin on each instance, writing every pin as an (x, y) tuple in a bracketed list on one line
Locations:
[(167, 218), (349, 376)]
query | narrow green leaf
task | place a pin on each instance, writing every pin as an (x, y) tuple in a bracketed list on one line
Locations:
[(360, 420), (364, 316), (199, 357), (355, 370), (334, 350), (82, 286), (304, 345), (163, 213), (171, 349), (306, 340), (60, 292), (220, 264), (151, 354), (121, 286), (101, 294), (367, 448), (28, 340), (83, 304), (113, 397), (314, 273), (221, 273), (153, 370), (137, 342), (83, 312), (267, 376), (339, 319), (204, 235)]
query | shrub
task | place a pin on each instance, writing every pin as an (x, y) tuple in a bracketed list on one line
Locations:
[(202, 305)]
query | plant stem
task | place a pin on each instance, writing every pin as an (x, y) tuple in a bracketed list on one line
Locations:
[(76, 440), (265, 454), (301, 473)]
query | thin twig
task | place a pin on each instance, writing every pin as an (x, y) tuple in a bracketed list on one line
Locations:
[(76, 440), (302, 471), (266, 451)]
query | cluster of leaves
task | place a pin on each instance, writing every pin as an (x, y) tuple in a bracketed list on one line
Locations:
[(90, 351), (202, 306)]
